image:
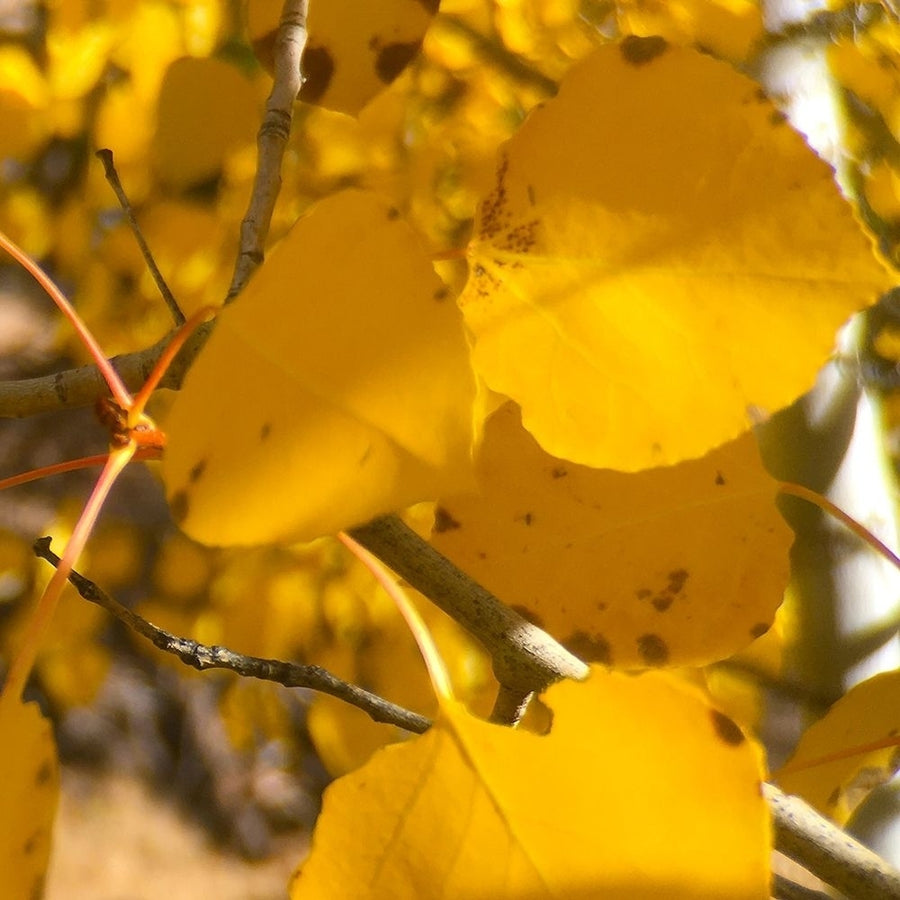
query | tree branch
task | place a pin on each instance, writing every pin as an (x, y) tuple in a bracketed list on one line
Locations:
[(525, 658), (272, 141), (202, 657), (828, 852)]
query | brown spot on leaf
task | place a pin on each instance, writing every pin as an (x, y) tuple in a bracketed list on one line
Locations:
[(590, 648), (393, 213), (638, 51), (265, 431), (759, 629), (393, 59), (530, 191), (443, 521), (43, 774), (833, 797), (430, 6), (643, 593), (726, 729), (776, 117), (32, 843), (677, 580), (440, 294), (662, 602), (179, 506), (559, 472), (653, 649), (196, 472), (720, 478), (528, 518), (528, 615), (318, 70)]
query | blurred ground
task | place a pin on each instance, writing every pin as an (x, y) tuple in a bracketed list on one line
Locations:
[(117, 840)]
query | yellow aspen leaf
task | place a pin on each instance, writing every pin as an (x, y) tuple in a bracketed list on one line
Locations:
[(679, 565), (206, 110), (23, 95), (823, 770), (337, 388), (354, 49), (28, 798), (660, 251), (641, 790)]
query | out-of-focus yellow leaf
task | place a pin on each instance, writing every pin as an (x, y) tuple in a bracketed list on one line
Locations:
[(23, 96), (640, 790), (28, 798), (867, 714), (354, 49), (672, 566), (660, 252), (207, 110), (338, 387)]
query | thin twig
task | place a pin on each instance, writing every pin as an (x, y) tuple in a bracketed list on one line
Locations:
[(525, 658), (202, 656), (112, 176), (271, 142), (829, 853), (510, 706)]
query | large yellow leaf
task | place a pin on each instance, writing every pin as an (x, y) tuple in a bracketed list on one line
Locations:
[(660, 252), (671, 566), (28, 797), (824, 773), (337, 388), (641, 790)]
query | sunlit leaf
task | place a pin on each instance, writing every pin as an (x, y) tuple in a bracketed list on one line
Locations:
[(28, 798), (661, 251), (354, 49), (867, 716), (641, 790), (670, 566), (338, 387)]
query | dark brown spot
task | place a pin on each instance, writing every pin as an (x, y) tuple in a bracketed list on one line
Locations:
[(776, 117), (430, 6), (653, 650), (393, 59), (528, 518), (833, 797), (677, 580), (179, 506), (197, 471), (440, 294), (638, 51), (318, 70), (530, 191), (443, 521), (720, 478), (44, 774), (662, 602), (600, 606), (528, 615), (643, 593), (32, 843), (759, 629), (559, 472), (265, 431), (726, 729), (590, 647), (393, 213)]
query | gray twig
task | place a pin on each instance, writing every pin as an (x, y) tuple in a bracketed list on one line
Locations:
[(202, 656), (271, 142), (828, 852)]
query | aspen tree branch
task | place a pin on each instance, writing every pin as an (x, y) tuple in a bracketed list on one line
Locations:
[(202, 657), (828, 852), (271, 142)]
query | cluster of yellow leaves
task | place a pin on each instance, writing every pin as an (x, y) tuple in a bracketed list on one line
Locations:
[(653, 258)]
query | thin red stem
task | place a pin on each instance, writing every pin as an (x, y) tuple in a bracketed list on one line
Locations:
[(115, 384), (40, 621), (72, 465)]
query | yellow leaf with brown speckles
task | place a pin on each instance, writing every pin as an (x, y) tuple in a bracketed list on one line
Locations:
[(28, 797), (338, 387), (641, 790), (680, 565), (661, 252)]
